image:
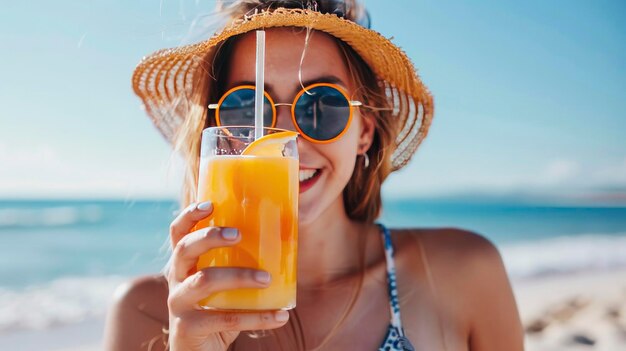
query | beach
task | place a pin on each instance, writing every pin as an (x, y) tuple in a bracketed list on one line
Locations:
[(581, 311)]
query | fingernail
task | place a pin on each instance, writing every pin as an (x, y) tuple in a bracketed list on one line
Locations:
[(262, 277), (204, 206), (281, 316), (230, 233)]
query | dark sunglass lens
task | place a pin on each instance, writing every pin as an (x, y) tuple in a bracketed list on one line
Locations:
[(322, 113), (237, 109)]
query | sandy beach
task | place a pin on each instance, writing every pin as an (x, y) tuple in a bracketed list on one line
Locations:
[(583, 311)]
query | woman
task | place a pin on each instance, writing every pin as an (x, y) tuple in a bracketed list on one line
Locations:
[(449, 284)]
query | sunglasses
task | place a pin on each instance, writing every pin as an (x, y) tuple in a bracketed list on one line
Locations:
[(321, 112)]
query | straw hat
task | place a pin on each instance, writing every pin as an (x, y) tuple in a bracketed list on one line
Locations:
[(166, 77)]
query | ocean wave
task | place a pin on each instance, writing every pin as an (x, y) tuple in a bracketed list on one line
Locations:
[(62, 301), (564, 254), (54, 216)]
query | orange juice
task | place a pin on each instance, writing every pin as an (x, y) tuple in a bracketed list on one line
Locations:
[(259, 196)]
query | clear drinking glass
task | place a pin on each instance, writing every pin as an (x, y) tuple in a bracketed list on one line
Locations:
[(259, 196)]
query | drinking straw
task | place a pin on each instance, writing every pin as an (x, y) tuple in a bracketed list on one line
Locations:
[(260, 84)]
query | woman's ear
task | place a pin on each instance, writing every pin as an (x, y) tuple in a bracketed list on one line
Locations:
[(366, 136)]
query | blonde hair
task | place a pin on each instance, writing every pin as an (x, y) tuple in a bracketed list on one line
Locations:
[(362, 197)]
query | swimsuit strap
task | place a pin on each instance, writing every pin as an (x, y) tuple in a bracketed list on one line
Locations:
[(391, 280)]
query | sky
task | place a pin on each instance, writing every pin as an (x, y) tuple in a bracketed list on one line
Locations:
[(530, 96)]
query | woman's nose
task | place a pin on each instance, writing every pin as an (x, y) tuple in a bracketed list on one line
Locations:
[(283, 118)]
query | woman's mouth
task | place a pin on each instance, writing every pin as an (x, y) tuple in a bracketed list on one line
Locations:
[(308, 177)]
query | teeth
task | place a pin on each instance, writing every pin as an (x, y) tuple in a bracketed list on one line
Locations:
[(306, 174)]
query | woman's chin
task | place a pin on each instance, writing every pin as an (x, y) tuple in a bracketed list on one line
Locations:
[(307, 215)]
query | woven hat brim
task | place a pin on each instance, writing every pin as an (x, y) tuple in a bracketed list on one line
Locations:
[(163, 79)]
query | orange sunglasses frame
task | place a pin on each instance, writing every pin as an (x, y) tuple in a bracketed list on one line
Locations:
[(351, 105), (219, 103)]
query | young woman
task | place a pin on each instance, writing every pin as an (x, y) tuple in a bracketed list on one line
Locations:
[(361, 286)]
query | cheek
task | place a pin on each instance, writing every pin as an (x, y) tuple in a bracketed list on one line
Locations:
[(345, 169), (343, 153), (342, 160)]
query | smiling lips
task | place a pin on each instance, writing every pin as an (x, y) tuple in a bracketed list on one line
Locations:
[(308, 177)]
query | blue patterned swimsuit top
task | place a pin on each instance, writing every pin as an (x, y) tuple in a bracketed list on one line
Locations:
[(395, 340)]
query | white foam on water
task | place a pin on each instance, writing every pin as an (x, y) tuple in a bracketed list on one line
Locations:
[(564, 254), (62, 301)]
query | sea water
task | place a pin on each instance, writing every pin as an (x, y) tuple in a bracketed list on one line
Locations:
[(60, 261)]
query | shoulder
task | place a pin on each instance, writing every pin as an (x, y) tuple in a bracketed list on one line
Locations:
[(469, 262), (138, 313), (146, 293), (470, 278), (140, 286), (460, 260), (458, 263), (449, 245)]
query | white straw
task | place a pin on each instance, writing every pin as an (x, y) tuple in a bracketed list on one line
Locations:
[(260, 84)]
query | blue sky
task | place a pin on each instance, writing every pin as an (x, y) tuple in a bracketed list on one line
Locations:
[(530, 96)]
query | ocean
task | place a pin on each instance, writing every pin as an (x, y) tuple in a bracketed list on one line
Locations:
[(64, 258)]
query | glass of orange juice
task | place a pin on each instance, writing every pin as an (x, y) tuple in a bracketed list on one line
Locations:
[(253, 185)]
